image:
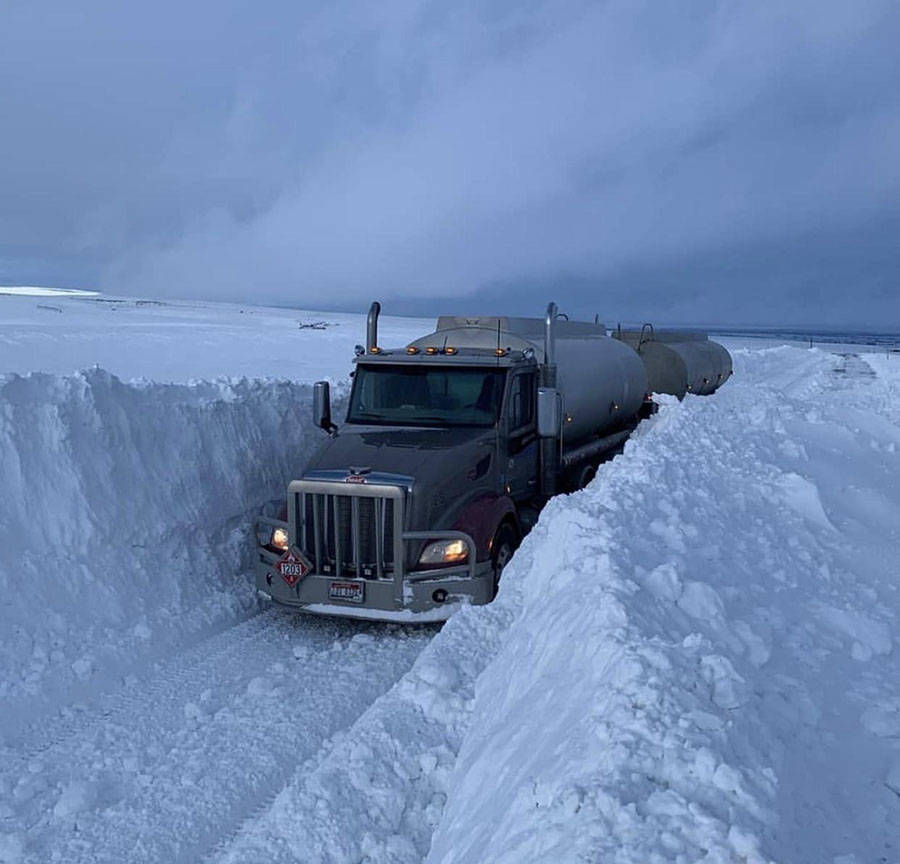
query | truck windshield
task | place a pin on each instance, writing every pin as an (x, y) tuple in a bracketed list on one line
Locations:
[(426, 396)]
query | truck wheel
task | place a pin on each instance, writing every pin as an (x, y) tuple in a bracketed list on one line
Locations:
[(587, 473), (502, 547)]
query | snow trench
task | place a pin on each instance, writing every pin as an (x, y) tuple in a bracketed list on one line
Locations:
[(693, 659), (124, 519)]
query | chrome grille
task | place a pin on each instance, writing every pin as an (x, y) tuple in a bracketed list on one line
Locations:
[(349, 532)]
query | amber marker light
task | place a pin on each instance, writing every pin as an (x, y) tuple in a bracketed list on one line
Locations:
[(431, 350), (374, 350), (500, 351), (412, 350), (450, 350)]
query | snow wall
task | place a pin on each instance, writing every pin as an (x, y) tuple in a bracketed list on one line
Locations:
[(125, 518), (690, 660)]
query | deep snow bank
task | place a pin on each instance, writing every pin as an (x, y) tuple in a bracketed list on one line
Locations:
[(691, 660), (703, 665), (123, 517)]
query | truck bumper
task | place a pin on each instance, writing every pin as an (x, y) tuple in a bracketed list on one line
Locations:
[(333, 526), (312, 593)]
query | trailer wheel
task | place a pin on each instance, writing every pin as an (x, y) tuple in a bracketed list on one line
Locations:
[(502, 547)]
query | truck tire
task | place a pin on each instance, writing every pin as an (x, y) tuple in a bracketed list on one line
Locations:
[(502, 547), (587, 473)]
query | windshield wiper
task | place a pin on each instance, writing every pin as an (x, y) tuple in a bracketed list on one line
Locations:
[(415, 420)]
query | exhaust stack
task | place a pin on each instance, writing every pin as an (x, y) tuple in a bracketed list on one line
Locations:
[(551, 443), (372, 328), (549, 376)]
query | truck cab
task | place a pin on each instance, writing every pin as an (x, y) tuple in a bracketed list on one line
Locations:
[(413, 506), (450, 446)]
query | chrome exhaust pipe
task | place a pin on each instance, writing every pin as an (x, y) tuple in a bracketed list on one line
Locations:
[(550, 345), (372, 327), (550, 446)]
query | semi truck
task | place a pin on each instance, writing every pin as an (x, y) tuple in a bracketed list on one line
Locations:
[(450, 447)]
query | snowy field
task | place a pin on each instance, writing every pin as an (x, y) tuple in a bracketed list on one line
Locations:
[(181, 341), (693, 659)]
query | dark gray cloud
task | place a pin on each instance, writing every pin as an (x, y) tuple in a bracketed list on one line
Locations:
[(713, 161)]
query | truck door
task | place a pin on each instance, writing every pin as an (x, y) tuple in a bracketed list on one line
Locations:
[(521, 437)]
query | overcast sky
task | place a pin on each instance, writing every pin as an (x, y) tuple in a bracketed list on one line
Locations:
[(731, 162)]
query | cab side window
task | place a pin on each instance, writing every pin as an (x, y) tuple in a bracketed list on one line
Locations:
[(521, 401)]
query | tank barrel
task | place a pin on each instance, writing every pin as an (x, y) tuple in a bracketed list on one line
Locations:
[(372, 326)]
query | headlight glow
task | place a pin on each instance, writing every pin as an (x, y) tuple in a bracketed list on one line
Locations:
[(279, 539), (445, 552)]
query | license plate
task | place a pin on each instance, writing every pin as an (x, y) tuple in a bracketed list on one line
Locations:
[(349, 592)]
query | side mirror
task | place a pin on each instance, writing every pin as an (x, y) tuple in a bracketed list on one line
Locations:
[(322, 407), (549, 412)]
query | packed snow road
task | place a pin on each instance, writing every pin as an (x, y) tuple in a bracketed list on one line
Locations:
[(167, 766)]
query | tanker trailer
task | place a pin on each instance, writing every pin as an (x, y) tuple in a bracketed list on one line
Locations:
[(679, 361), (450, 446)]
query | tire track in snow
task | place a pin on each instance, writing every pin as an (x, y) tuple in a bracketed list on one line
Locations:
[(61, 724), (166, 766), (375, 790)]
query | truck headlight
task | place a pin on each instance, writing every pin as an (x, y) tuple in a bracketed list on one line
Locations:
[(445, 552), (279, 539)]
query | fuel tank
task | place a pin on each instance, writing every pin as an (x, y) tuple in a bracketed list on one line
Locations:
[(679, 362), (603, 383)]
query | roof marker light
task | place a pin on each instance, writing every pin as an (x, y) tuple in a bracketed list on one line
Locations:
[(500, 352), (412, 350), (450, 350), (431, 350), (374, 350)]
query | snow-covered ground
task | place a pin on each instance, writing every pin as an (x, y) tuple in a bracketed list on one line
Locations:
[(693, 659), (181, 341)]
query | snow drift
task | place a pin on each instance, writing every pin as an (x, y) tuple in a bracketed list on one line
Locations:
[(124, 518), (691, 660), (694, 659), (703, 637)]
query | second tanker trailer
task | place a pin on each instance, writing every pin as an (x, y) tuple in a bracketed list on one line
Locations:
[(450, 446)]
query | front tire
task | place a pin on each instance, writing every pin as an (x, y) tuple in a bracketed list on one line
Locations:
[(503, 545)]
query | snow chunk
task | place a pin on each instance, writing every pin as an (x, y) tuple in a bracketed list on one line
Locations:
[(869, 637), (700, 600), (75, 798), (802, 495)]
